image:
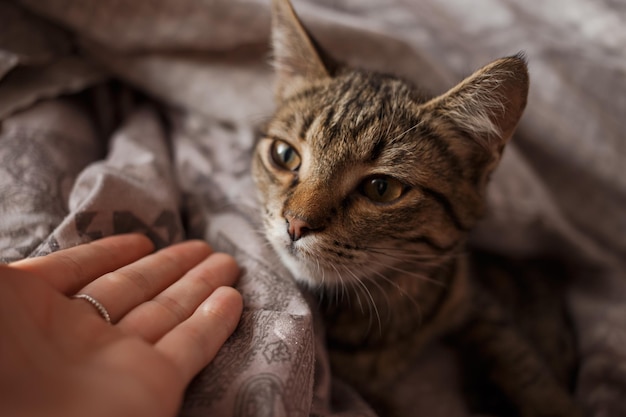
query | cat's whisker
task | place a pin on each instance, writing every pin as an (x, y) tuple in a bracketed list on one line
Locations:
[(368, 294), (414, 252), (386, 279), (408, 256), (320, 271), (416, 262), (418, 124), (358, 299), (341, 285), (395, 285), (380, 290), (407, 272), (420, 259)]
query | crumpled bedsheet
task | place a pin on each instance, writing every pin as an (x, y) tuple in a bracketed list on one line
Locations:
[(141, 116)]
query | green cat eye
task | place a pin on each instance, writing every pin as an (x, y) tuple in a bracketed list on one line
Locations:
[(382, 189), (285, 156)]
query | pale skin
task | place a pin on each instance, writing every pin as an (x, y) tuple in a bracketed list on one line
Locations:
[(171, 311)]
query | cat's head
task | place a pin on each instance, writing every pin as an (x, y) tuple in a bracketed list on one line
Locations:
[(359, 172)]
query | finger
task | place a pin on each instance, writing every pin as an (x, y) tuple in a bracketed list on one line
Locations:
[(122, 290), (195, 342), (68, 270), (154, 318)]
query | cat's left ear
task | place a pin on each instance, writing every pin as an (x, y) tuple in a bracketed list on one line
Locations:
[(296, 56), (487, 105)]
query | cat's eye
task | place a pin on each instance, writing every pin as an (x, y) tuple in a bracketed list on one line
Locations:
[(382, 189), (285, 156)]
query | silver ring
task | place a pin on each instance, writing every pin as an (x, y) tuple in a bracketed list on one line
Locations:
[(101, 310)]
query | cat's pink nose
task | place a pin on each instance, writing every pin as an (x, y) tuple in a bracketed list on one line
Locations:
[(296, 227)]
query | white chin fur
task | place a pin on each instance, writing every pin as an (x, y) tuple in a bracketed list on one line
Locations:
[(298, 273), (307, 272)]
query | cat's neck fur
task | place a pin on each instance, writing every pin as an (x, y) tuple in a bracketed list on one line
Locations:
[(407, 318), (390, 310)]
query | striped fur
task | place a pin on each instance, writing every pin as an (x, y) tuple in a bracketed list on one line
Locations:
[(392, 275)]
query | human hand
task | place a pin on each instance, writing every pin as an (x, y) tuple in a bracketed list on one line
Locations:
[(58, 357)]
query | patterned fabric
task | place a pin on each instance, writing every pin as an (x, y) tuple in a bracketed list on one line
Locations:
[(82, 157)]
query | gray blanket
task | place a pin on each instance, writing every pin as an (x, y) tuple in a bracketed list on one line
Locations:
[(141, 116)]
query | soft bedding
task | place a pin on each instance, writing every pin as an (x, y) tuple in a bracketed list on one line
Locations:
[(141, 116)]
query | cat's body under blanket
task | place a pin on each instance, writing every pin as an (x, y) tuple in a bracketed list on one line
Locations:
[(369, 190)]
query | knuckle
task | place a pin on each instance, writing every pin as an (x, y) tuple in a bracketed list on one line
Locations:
[(174, 308)]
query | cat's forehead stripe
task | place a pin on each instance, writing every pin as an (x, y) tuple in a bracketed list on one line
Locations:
[(307, 121), (368, 119)]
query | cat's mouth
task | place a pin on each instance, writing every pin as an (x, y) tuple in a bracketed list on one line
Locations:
[(292, 249), (298, 262), (303, 258), (311, 265)]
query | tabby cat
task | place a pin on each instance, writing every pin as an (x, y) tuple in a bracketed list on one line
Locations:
[(369, 189)]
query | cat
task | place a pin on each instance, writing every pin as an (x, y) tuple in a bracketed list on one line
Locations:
[(369, 189)]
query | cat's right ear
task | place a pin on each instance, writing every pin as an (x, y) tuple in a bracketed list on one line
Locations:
[(296, 57)]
